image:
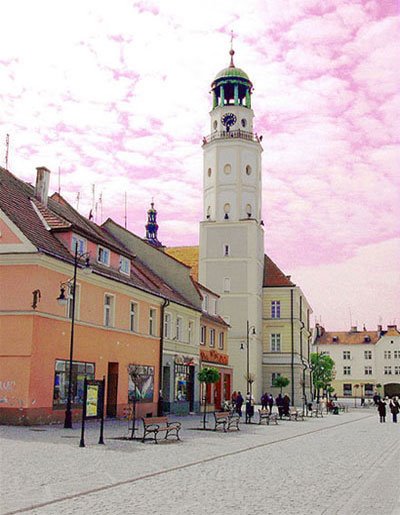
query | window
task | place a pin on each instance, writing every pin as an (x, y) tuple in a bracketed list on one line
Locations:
[(206, 302), (190, 331), (221, 340), (367, 354), (275, 342), (347, 371), (167, 325), (325, 353), (368, 390), (182, 379), (347, 391), (274, 376), (226, 250), (387, 354), (396, 354), (368, 371), (71, 301), (133, 316), (80, 370), (396, 370), (203, 335), (81, 244), (179, 328), (103, 255), (387, 371), (227, 284), (276, 309), (152, 321), (124, 265), (108, 310), (346, 354), (212, 337), (215, 306)]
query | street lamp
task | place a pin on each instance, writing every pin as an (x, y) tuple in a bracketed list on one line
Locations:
[(251, 329), (62, 300), (306, 366)]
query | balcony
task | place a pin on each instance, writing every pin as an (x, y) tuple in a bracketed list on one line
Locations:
[(238, 134)]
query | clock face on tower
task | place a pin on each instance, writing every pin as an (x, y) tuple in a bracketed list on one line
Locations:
[(228, 119)]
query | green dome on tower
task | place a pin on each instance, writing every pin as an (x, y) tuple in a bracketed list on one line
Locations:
[(232, 72)]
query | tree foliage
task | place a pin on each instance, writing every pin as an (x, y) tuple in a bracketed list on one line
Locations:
[(323, 372), (280, 382), (208, 375)]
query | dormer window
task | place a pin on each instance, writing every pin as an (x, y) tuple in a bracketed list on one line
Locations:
[(81, 244), (124, 265), (205, 303), (335, 338), (103, 255), (367, 339)]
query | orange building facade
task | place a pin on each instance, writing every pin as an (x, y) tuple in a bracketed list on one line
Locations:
[(117, 320)]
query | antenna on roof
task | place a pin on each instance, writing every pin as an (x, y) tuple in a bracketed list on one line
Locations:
[(125, 212), (7, 148), (101, 206), (93, 199), (59, 180), (351, 318), (77, 200)]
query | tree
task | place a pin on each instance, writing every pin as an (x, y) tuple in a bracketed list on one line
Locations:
[(207, 375), (323, 372), (280, 382)]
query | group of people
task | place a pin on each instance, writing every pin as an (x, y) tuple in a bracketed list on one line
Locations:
[(267, 403), (394, 407), (237, 404)]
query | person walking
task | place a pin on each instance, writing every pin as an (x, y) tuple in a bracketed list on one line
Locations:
[(382, 410), (264, 401), (286, 405), (249, 407), (394, 406), (279, 405), (239, 404), (270, 402)]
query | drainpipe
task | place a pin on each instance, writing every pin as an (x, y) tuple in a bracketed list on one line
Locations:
[(292, 338), (160, 374)]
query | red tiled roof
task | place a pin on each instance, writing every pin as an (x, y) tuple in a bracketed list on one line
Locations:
[(273, 276), (347, 337)]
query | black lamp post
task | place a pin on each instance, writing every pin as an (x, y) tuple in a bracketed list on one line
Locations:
[(63, 300), (253, 332)]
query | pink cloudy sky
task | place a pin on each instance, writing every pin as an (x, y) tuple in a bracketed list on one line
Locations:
[(116, 94)]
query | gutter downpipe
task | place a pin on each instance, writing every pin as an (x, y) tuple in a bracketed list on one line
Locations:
[(292, 337), (160, 373)]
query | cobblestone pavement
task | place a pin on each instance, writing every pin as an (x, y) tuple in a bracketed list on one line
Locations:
[(346, 464)]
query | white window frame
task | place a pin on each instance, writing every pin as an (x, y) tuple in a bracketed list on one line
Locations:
[(179, 327), (167, 325), (133, 316), (103, 250), (368, 371), (68, 310), (227, 284), (396, 354), (387, 354), (275, 342), (275, 309), (347, 370), (221, 340), (152, 321), (109, 310), (124, 265), (368, 354), (82, 243), (346, 355), (203, 335), (190, 331), (396, 370), (387, 371), (212, 338)]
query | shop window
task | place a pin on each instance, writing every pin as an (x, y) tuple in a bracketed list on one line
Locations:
[(347, 390), (182, 379), (369, 390), (80, 370)]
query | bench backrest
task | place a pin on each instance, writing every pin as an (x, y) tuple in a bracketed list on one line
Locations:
[(221, 414), (154, 420), (263, 412)]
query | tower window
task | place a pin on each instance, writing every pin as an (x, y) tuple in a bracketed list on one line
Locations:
[(248, 210), (209, 172), (227, 169), (208, 212), (227, 250), (227, 284), (248, 170), (227, 208)]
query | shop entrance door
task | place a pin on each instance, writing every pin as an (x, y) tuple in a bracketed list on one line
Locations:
[(217, 394), (190, 389), (112, 390)]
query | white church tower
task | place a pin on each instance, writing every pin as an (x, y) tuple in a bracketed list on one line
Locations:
[(231, 234)]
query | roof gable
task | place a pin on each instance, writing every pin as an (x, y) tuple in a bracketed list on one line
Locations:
[(273, 276)]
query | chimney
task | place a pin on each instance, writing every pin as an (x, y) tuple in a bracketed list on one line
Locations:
[(42, 184), (353, 329), (379, 328), (392, 327)]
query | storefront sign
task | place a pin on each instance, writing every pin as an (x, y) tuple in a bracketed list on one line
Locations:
[(184, 360), (213, 356)]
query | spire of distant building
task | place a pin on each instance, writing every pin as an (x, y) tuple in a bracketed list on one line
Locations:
[(152, 227)]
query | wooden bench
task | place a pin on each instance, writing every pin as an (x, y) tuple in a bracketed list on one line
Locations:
[(315, 412), (155, 425), (295, 414), (226, 419), (264, 414)]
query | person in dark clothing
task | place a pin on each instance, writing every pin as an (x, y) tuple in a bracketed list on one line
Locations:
[(286, 405), (394, 406), (239, 404), (264, 400), (279, 405), (382, 410), (376, 398), (270, 402)]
